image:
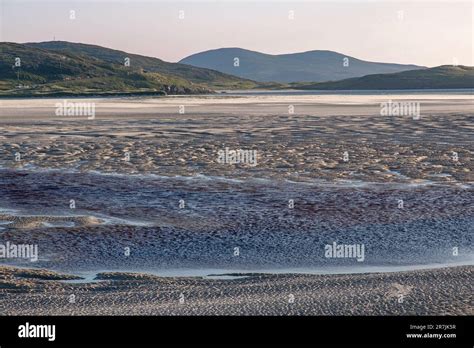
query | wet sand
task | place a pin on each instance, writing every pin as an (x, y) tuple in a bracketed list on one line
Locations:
[(446, 291), (134, 203), (307, 145)]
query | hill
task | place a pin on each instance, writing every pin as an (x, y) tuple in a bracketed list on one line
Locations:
[(49, 73), (441, 77), (210, 78), (312, 66), (60, 68)]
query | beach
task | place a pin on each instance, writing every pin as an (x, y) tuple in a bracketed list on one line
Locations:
[(145, 199)]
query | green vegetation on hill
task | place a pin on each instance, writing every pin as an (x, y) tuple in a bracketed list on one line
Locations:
[(44, 72), (67, 69), (441, 77), (59, 68), (207, 77)]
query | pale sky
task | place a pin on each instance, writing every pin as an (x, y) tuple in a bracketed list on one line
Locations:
[(426, 33)]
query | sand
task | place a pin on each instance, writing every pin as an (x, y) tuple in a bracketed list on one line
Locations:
[(445, 291), (307, 145), (425, 164)]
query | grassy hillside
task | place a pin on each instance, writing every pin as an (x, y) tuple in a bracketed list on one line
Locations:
[(46, 72), (68, 69), (210, 78), (441, 77), (311, 66)]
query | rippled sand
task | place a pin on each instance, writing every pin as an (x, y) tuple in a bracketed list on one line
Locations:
[(150, 196), (302, 146), (446, 291)]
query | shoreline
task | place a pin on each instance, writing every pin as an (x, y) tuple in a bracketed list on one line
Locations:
[(239, 92)]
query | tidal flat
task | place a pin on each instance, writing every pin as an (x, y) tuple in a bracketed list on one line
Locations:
[(140, 188)]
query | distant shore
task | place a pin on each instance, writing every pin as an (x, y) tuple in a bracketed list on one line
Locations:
[(231, 92), (444, 291), (83, 95)]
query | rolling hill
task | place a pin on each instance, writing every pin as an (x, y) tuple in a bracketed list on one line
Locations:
[(61, 68), (441, 77), (210, 78), (312, 66)]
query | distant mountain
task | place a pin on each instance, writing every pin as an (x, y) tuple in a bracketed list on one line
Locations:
[(209, 78), (312, 66), (441, 77)]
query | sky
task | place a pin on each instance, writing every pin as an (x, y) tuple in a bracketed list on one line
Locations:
[(428, 33)]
